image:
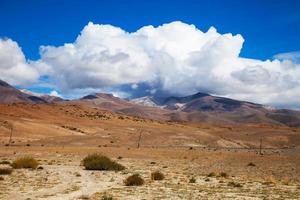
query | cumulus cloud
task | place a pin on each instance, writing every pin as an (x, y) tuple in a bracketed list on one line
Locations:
[(174, 58), (292, 56), (14, 68), (54, 93)]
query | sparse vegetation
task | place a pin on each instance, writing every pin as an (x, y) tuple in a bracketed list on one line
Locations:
[(212, 174), (234, 184), (4, 162), (157, 176), (270, 180), (25, 162), (84, 197), (223, 175), (105, 197), (134, 180), (100, 162), (71, 128), (5, 171), (192, 180), (251, 164)]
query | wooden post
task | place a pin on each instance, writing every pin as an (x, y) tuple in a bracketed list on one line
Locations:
[(11, 133), (139, 141), (260, 146)]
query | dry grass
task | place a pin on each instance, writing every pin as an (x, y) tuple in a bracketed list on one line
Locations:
[(5, 171), (270, 180), (99, 162), (5, 162), (212, 174), (134, 180), (157, 176), (25, 162)]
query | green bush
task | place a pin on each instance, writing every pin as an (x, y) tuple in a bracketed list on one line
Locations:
[(25, 162), (5, 171), (99, 162), (134, 180), (157, 176)]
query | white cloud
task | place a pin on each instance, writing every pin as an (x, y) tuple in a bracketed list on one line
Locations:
[(54, 93), (292, 56), (13, 66), (175, 58)]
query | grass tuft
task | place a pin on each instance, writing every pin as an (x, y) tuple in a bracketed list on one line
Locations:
[(5, 171), (192, 180), (212, 174), (134, 180), (234, 184), (157, 176), (4, 162), (224, 175), (25, 162), (100, 162)]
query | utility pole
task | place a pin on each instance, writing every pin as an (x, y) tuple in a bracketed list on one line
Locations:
[(260, 146), (11, 133), (140, 137)]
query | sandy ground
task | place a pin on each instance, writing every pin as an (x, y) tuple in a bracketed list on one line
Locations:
[(62, 177), (60, 136)]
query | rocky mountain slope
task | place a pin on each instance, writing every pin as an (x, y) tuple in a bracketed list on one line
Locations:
[(195, 108)]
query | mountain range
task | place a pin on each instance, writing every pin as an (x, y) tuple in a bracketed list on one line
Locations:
[(200, 107)]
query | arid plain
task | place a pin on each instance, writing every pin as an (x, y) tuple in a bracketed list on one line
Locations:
[(198, 160)]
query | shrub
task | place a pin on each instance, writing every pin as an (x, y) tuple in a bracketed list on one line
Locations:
[(134, 180), (270, 180), (25, 162), (224, 175), (251, 164), (212, 174), (99, 162), (5, 171), (192, 180), (157, 176), (5, 162), (105, 197), (234, 184), (84, 197), (1, 178)]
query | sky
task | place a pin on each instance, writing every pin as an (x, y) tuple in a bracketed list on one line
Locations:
[(248, 50)]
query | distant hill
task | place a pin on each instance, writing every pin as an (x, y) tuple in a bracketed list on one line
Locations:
[(10, 94), (200, 107)]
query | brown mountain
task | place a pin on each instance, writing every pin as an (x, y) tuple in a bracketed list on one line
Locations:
[(203, 107), (196, 108), (9, 94)]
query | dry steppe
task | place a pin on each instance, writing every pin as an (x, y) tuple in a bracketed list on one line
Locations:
[(60, 136)]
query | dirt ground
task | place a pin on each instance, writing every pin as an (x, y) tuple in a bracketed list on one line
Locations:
[(273, 176), (60, 136)]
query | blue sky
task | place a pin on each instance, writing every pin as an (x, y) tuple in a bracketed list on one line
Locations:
[(269, 26), (259, 30)]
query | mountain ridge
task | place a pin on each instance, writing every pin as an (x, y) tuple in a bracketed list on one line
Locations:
[(199, 107)]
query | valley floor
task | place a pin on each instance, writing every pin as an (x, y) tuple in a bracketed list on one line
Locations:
[(270, 176)]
